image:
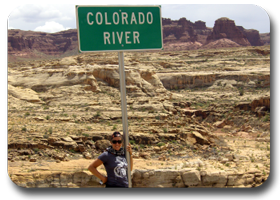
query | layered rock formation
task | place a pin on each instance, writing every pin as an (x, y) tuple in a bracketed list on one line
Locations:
[(224, 34), (265, 38), (139, 82), (182, 32), (192, 80), (252, 35), (25, 42), (147, 179), (226, 28)]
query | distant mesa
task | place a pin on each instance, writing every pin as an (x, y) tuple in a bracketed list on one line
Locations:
[(180, 33)]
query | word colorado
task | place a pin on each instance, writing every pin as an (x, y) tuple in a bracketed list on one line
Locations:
[(120, 18)]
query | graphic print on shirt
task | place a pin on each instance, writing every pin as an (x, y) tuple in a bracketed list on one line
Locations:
[(120, 169)]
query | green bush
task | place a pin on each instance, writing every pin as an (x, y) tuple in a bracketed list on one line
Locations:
[(160, 144), (132, 141)]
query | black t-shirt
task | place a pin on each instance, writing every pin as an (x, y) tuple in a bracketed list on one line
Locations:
[(116, 168)]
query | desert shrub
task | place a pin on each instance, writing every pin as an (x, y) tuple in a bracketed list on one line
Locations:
[(132, 141), (160, 144), (98, 114), (114, 127), (241, 91)]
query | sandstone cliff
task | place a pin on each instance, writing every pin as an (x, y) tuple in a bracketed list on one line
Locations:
[(265, 37), (226, 28), (25, 43), (184, 30), (252, 35), (185, 178), (179, 34)]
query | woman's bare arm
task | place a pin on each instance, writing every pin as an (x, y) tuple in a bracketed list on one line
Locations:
[(92, 168)]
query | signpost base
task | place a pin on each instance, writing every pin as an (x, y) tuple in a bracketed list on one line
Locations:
[(124, 112)]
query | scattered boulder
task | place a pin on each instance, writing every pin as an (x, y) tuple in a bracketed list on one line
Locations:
[(68, 61), (52, 140), (162, 158), (96, 137), (59, 156), (220, 124), (199, 138), (229, 156), (25, 152), (32, 160), (81, 148), (145, 155), (67, 139), (87, 155), (102, 144)]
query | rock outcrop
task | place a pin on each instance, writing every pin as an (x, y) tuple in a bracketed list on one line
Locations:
[(138, 82), (25, 42), (252, 35), (147, 179), (42, 81), (226, 28), (265, 38), (183, 30), (192, 80), (194, 178), (25, 94), (176, 30), (200, 25), (259, 106)]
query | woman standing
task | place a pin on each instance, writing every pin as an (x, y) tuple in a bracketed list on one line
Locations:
[(115, 163)]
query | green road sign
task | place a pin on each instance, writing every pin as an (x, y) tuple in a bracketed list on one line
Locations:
[(119, 28)]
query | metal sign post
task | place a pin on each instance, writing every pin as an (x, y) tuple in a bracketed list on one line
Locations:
[(124, 113), (119, 28)]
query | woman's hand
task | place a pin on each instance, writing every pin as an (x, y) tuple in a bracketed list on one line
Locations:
[(129, 149), (104, 180)]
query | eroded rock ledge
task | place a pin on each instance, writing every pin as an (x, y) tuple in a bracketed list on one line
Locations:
[(147, 179)]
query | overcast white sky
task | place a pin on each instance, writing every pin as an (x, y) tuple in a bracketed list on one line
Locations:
[(57, 17)]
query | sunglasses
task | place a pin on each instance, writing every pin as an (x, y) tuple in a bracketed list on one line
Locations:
[(116, 141)]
